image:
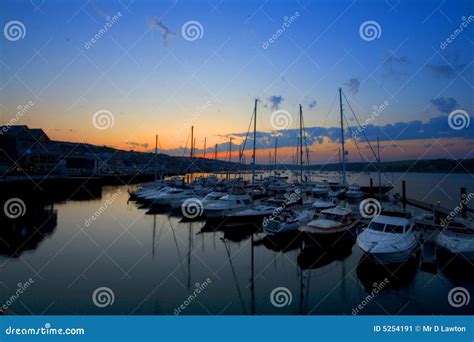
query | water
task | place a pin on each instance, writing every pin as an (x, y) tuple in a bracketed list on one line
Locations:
[(154, 263)]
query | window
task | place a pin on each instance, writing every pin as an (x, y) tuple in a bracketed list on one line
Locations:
[(394, 229), (376, 226)]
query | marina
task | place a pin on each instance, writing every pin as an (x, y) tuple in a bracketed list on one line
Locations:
[(136, 253)]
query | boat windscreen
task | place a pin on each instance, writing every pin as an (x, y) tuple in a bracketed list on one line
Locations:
[(376, 226), (394, 229)]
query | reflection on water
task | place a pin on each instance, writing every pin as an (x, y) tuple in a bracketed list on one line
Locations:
[(26, 232), (152, 264)]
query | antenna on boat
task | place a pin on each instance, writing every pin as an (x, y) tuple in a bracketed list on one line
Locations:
[(342, 139)]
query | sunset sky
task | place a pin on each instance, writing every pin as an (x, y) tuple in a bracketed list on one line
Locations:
[(154, 77)]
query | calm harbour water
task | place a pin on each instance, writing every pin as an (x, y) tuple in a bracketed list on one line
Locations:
[(153, 263)]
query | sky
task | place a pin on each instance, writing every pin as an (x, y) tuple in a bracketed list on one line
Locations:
[(117, 73)]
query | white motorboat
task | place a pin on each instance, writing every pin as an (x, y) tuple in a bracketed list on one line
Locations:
[(324, 203), (175, 194), (321, 189), (456, 241), (254, 215), (331, 223), (354, 192), (226, 205), (391, 237), (287, 222)]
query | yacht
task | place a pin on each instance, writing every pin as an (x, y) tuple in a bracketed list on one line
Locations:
[(287, 222), (456, 241), (354, 192), (391, 237), (332, 223), (321, 189), (226, 205)]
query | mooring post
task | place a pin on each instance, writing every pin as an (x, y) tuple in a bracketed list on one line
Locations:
[(463, 203), (404, 195)]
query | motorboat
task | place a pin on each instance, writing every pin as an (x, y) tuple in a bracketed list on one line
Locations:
[(354, 192), (287, 222), (391, 237), (226, 205), (324, 203), (456, 241), (321, 189), (174, 194), (254, 215), (336, 222)]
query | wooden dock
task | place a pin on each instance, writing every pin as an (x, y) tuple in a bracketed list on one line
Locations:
[(435, 208)]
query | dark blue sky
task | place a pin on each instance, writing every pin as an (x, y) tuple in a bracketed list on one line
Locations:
[(154, 80)]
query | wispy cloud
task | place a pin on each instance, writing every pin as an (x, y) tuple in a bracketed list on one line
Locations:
[(353, 85), (167, 35), (444, 105), (275, 101)]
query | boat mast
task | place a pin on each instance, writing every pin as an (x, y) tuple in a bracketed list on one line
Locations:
[(156, 157), (204, 155), (378, 167), (276, 149), (254, 141), (192, 141), (301, 144), (342, 140)]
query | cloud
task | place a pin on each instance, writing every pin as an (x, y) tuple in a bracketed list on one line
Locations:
[(275, 101), (167, 35), (444, 70), (444, 105), (135, 144), (353, 85), (392, 65)]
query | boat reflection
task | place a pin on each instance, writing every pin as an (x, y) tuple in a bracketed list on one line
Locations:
[(25, 233), (394, 275), (313, 256)]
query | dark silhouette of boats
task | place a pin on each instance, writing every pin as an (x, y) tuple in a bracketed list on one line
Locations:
[(25, 233)]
